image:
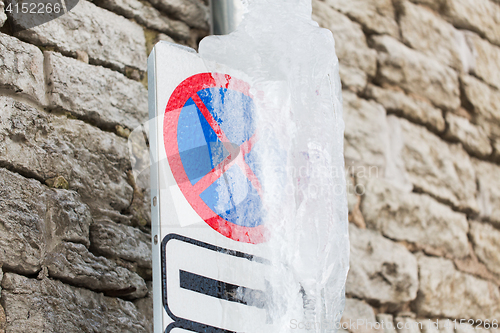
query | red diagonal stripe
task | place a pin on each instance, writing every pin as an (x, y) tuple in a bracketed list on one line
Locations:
[(220, 169), (211, 121)]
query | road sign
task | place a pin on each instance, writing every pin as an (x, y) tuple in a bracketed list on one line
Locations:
[(209, 133), (209, 267)]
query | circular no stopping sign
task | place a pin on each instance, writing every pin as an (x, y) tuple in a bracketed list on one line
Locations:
[(209, 134)]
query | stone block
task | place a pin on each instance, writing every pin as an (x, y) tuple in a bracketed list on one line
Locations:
[(74, 264), (486, 241), (3, 17), (489, 190), (413, 108), (435, 167), (380, 270), (446, 292), (366, 131), (22, 220), (376, 16), (82, 29), (432, 4), (424, 31), (415, 218), (407, 325), (22, 68), (350, 41), (473, 138), (352, 78), (386, 322), (67, 218), (481, 16), (145, 306), (47, 305), (36, 218), (145, 14), (356, 311), (94, 93), (354, 193), (484, 101), (416, 73), (487, 59), (193, 12), (121, 241), (496, 150), (44, 146)]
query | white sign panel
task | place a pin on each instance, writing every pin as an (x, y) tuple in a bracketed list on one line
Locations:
[(208, 263)]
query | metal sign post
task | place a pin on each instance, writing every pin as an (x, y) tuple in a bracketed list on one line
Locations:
[(208, 236)]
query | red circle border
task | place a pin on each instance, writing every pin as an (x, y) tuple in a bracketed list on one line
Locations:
[(178, 99)]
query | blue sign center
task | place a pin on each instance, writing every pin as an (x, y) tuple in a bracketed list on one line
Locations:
[(215, 125)]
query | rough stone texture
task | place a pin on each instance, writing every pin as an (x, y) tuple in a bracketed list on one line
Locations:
[(487, 62), (67, 218), (352, 78), (146, 15), (121, 241), (411, 107), (435, 167), (474, 140), (355, 57), (82, 29), (357, 310), (429, 326), (380, 269), (3, 17), (496, 150), (416, 73), (481, 16), (50, 306), (366, 131), (484, 100), (354, 193), (432, 4), (489, 190), (407, 324), (44, 146), (473, 266), (425, 31), (376, 16), (74, 264), (145, 306), (95, 94), (465, 328), (21, 68), (446, 292), (22, 226), (35, 218), (486, 240), (415, 218), (387, 322), (193, 12)]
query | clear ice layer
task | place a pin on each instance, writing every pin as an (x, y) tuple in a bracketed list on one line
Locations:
[(291, 66)]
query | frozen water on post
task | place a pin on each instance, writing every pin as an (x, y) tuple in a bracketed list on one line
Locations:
[(292, 68)]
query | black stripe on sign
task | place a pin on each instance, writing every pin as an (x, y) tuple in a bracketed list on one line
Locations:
[(222, 290)]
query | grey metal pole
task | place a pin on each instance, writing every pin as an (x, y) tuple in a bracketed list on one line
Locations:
[(225, 16)]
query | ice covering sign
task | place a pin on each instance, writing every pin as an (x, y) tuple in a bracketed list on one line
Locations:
[(249, 209), (208, 213)]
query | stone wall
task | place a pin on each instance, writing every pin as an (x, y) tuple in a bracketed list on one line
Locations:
[(74, 225), (422, 109), (421, 82)]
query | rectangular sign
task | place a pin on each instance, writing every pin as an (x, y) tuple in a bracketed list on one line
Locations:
[(208, 234)]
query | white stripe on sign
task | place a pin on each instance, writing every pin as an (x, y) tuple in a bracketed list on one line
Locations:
[(210, 285)]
